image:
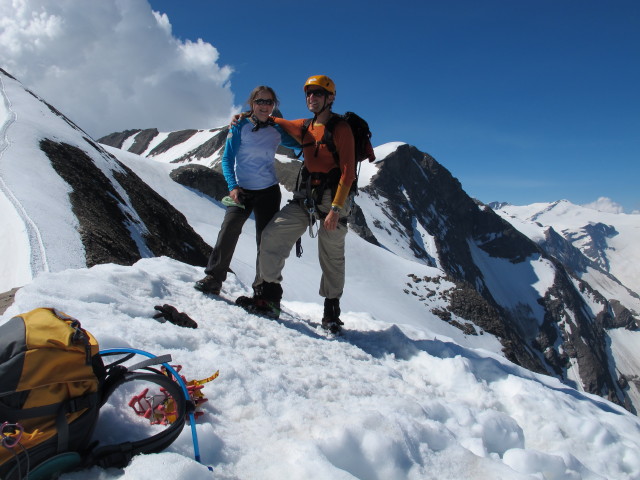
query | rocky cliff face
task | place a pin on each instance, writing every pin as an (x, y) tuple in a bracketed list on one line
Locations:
[(142, 141), (121, 219), (417, 192)]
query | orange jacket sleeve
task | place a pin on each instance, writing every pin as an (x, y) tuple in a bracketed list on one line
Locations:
[(343, 138)]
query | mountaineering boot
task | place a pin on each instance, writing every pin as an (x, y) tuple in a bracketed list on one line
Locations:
[(247, 302), (208, 285), (331, 317), (266, 303), (260, 306)]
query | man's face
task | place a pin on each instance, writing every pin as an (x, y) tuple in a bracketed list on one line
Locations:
[(317, 98)]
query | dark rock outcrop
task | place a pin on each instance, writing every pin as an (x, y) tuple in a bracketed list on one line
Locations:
[(117, 139), (571, 257), (140, 144), (594, 236), (622, 317), (143, 140), (116, 229), (582, 338), (202, 179), (173, 139), (6, 299), (207, 149)]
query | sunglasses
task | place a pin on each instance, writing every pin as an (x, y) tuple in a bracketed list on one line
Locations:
[(263, 101), (317, 93)]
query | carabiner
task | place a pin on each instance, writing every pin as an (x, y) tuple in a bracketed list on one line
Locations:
[(310, 205), (11, 434)]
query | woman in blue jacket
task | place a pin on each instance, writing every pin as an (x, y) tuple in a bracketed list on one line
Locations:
[(248, 165)]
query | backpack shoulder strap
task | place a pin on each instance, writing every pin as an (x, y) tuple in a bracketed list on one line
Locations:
[(303, 133), (305, 126), (327, 138)]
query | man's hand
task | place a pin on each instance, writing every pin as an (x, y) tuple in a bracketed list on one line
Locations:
[(237, 117), (331, 220)]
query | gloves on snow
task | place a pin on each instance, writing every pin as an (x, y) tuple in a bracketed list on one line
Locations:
[(171, 314)]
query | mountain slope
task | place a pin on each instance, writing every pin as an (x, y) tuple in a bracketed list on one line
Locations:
[(601, 250), (500, 281), (546, 323), (598, 246), (87, 208)]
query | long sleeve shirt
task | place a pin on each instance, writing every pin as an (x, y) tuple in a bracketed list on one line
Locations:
[(248, 159)]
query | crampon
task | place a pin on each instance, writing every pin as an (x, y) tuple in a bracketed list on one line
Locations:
[(160, 408)]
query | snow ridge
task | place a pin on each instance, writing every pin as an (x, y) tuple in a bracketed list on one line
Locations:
[(38, 256)]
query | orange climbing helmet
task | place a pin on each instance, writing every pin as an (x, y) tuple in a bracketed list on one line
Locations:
[(321, 81)]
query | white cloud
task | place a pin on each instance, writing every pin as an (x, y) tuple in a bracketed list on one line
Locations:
[(604, 204), (112, 65)]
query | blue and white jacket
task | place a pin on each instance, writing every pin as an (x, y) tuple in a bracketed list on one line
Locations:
[(248, 160)]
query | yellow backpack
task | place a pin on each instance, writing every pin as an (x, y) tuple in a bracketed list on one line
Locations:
[(53, 382)]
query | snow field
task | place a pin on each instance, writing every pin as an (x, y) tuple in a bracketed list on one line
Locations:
[(383, 401)]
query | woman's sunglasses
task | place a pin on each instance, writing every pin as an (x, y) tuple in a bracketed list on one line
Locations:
[(263, 101)]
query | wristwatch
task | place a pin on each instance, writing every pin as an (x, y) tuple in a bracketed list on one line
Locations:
[(335, 208)]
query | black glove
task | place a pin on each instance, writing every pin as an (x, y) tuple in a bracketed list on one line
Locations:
[(169, 313)]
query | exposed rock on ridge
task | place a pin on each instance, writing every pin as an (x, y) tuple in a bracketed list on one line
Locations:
[(118, 230), (417, 190)]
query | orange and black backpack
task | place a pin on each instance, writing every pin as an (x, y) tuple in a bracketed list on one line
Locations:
[(361, 140), (53, 382)]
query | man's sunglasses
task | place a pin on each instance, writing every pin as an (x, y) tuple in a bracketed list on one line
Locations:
[(263, 101), (317, 93)]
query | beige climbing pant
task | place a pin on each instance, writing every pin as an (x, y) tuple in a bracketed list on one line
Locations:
[(291, 223)]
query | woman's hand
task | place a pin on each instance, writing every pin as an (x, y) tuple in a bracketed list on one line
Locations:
[(235, 194)]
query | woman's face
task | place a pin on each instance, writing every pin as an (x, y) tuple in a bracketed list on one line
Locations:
[(263, 105)]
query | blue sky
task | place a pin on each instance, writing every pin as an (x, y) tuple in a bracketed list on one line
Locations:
[(522, 100)]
